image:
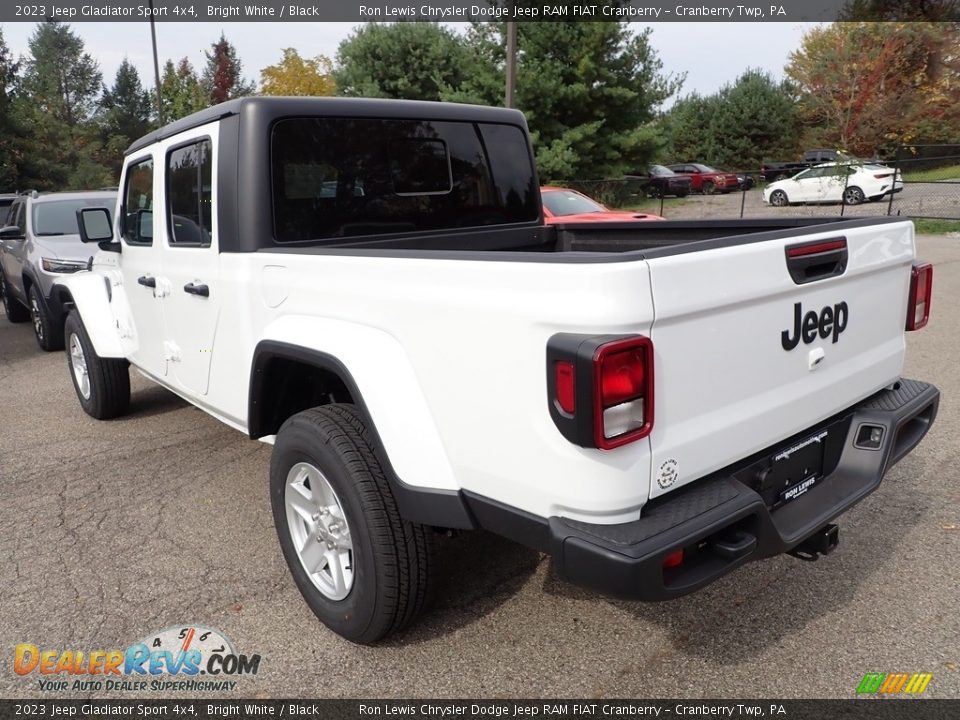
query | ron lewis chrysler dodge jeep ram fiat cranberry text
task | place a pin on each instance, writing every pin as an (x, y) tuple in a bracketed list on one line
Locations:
[(369, 286)]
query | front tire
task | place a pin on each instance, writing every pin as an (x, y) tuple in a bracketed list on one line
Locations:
[(778, 198), (362, 569), (102, 384), (15, 312), (48, 331)]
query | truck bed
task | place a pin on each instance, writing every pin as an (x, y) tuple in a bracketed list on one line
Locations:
[(585, 241)]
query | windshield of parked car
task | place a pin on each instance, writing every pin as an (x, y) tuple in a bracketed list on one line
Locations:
[(704, 168), (59, 217), (569, 202), (661, 171)]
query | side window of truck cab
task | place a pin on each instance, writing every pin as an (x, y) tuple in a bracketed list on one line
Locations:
[(137, 211)]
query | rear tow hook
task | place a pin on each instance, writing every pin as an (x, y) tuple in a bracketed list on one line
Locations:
[(823, 542)]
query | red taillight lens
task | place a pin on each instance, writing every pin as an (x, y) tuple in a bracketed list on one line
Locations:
[(623, 392), (674, 559), (921, 293), (883, 175), (622, 376), (565, 387)]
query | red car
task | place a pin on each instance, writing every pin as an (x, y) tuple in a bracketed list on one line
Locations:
[(563, 205), (707, 180)]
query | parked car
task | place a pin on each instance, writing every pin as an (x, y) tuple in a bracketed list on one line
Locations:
[(41, 243), (432, 356), (563, 205), (834, 183), (745, 181), (707, 180), (661, 181), (773, 171)]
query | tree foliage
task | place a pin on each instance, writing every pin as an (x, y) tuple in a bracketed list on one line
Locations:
[(9, 126), (180, 90), (590, 92), (414, 61), (222, 78), (295, 75), (868, 86), (61, 79), (751, 120)]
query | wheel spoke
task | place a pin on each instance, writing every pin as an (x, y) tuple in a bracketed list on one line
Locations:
[(335, 563), (313, 554), (301, 499)]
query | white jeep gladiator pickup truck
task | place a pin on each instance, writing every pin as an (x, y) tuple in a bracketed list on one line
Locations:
[(369, 285)]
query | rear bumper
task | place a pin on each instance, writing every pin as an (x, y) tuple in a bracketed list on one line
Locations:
[(722, 522)]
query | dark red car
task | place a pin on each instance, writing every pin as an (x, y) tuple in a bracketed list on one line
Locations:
[(707, 180), (563, 205)]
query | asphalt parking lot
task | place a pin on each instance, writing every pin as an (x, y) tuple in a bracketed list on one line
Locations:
[(111, 531)]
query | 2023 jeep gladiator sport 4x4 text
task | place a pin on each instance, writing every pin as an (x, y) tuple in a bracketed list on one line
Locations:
[(369, 285)]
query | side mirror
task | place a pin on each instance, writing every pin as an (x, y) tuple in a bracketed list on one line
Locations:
[(11, 232), (144, 225), (94, 224)]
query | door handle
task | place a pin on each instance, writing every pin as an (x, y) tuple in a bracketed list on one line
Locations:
[(201, 290), (147, 281)]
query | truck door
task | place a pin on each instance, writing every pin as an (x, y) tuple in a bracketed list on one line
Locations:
[(141, 332), (190, 257)]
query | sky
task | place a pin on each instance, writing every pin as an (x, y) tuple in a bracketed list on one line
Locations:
[(711, 54)]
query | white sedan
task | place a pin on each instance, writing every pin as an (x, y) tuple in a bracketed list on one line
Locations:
[(833, 183)]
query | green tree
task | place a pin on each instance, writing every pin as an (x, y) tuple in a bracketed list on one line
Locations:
[(413, 61), (685, 129), (180, 90), (752, 120), (222, 78), (60, 145), (61, 79), (126, 106), (9, 127), (590, 91), (295, 75)]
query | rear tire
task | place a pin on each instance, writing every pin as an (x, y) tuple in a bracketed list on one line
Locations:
[(708, 188), (102, 384), (48, 331), (853, 196), (15, 312), (362, 568)]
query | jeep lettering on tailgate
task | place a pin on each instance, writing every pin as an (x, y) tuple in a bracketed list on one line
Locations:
[(829, 320)]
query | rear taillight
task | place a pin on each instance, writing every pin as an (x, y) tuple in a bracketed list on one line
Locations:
[(921, 292), (623, 393), (566, 387), (883, 175), (601, 388)]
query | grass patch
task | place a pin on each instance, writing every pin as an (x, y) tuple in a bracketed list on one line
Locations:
[(651, 205), (951, 172), (932, 226)]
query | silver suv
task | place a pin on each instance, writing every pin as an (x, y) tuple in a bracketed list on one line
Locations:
[(39, 243)]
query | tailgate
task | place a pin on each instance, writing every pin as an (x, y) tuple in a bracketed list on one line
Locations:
[(735, 375)]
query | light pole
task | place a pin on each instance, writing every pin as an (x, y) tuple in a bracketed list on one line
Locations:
[(156, 65), (511, 63)]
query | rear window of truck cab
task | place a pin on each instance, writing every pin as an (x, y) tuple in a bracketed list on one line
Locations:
[(342, 177)]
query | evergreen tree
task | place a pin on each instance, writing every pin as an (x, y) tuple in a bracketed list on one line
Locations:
[(407, 60), (180, 90)]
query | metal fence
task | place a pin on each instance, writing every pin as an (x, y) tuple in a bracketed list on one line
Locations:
[(928, 187)]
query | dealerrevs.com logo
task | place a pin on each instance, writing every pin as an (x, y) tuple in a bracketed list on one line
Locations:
[(183, 657)]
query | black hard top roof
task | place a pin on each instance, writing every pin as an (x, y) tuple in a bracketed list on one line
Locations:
[(334, 106)]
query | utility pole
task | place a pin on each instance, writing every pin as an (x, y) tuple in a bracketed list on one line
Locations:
[(511, 64), (156, 66)]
